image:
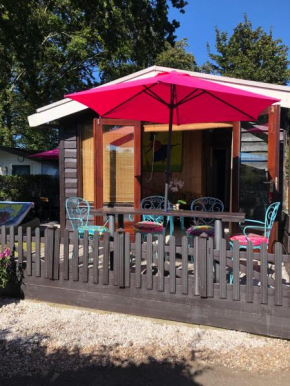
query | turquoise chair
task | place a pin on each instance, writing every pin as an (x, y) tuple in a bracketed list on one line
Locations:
[(153, 224), (264, 227), (78, 211), (204, 225)]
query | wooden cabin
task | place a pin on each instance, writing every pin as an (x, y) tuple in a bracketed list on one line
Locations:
[(112, 162)]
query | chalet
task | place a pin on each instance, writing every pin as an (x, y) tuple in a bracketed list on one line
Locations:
[(240, 163)]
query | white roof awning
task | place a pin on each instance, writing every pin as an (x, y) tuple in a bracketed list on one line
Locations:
[(67, 106)]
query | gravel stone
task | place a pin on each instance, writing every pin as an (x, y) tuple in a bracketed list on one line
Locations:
[(38, 337)]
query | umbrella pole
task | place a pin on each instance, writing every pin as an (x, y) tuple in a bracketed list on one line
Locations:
[(167, 172)]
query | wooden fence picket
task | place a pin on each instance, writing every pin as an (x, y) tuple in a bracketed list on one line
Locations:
[(121, 251), (28, 252), (50, 252), (250, 273), (96, 258), (11, 239), (172, 269), (149, 274), (195, 267), (138, 258), (86, 257), (56, 254), (223, 269), (264, 273), (127, 259), (66, 255), (209, 263), (236, 271), (20, 246), (75, 259), (37, 253), (161, 258), (184, 288), (3, 238), (202, 250), (106, 258), (278, 274)]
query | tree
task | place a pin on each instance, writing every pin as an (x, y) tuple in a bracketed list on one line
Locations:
[(176, 57), (250, 54), (52, 47)]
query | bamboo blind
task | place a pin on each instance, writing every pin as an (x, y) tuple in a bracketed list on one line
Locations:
[(118, 164), (87, 153)]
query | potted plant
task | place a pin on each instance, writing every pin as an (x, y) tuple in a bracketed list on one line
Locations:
[(175, 186)]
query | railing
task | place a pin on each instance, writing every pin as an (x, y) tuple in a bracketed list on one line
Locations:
[(191, 276)]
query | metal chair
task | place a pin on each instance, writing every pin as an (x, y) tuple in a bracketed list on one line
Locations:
[(204, 225), (264, 226), (152, 224), (78, 211)]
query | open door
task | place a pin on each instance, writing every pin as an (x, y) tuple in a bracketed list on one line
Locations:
[(117, 163)]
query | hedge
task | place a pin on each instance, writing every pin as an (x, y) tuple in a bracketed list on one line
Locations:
[(28, 187)]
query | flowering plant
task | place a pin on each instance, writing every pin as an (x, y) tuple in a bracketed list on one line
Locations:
[(174, 186), (8, 268)]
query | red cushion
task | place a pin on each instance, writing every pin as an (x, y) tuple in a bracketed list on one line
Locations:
[(148, 227), (257, 240)]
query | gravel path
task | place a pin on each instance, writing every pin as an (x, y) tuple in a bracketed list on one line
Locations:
[(37, 337)]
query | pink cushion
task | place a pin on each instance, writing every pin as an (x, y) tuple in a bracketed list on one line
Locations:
[(148, 227), (257, 240)]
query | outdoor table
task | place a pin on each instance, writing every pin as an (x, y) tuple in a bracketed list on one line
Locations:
[(220, 217)]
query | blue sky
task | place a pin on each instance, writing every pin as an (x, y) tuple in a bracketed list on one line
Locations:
[(201, 16)]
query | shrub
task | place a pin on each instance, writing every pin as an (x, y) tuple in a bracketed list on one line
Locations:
[(27, 187), (8, 270)]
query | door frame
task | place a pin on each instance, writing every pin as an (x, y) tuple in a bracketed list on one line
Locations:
[(98, 159)]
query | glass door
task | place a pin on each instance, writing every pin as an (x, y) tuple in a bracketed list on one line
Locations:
[(117, 162), (118, 165)]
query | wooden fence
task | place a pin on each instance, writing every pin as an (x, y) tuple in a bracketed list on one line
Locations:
[(234, 289)]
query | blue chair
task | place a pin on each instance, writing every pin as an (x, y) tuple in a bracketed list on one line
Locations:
[(152, 224), (78, 211), (204, 225), (264, 227)]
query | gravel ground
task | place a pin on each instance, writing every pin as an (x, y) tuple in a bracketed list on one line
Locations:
[(37, 337)]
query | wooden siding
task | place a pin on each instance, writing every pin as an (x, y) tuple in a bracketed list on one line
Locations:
[(68, 168)]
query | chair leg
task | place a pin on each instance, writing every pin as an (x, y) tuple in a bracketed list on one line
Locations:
[(182, 223)]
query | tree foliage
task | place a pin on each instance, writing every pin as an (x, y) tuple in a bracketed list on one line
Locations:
[(52, 47), (176, 56), (250, 54)]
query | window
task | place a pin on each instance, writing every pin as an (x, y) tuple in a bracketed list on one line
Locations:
[(87, 158), (20, 170)]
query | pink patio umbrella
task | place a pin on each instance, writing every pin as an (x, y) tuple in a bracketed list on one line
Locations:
[(48, 155), (174, 98)]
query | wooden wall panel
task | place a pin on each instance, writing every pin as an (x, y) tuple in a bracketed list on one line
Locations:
[(68, 175), (235, 177), (273, 162), (191, 172)]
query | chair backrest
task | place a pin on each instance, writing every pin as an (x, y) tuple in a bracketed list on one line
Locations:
[(78, 211), (153, 202), (206, 204), (270, 217)]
